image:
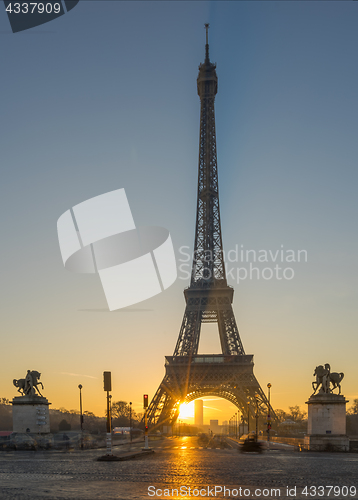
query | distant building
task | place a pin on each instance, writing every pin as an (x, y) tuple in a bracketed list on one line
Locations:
[(214, 426), (198, 412)]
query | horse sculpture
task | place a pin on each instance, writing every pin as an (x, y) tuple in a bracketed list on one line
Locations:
[(336, 379), (26, 386), (324, 378)]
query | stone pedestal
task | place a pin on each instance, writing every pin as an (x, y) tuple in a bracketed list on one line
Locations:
[(326, 423), (30, 414)]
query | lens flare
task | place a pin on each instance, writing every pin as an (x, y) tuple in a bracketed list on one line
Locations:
[(186, 410)]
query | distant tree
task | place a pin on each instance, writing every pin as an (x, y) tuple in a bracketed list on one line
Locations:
[(296, 414), (281, 415), (352, 419), (5, 415), (64, 426), (89, 414), (73, 417), (120, 409), (121, 412), (92, 423), (353, 410)]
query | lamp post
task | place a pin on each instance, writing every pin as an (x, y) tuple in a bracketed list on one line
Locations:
[(257, 416), (248, 417), (130, 421), (268, 416), (145, 406), (81, 415), (236, 417)]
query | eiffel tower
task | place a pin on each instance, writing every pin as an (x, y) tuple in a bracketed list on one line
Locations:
[(229, 375)]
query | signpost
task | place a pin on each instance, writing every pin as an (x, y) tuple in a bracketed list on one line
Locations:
[(81, 415), (107, 385)]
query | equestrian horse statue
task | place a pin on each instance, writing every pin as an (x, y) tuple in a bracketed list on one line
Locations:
[(336, 379), (26, 386), (325, 378)]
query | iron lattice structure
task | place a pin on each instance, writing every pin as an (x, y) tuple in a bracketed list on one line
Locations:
[(209, 298)]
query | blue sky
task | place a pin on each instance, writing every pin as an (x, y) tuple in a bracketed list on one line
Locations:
[(105, 98)]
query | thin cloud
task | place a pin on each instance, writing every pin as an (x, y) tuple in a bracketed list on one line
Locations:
[(116, 311), (211, 408), (77, 375)]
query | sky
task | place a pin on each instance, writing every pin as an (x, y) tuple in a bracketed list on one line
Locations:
[(105, 98)]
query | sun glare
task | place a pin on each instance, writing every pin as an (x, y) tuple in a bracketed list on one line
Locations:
[(186, 410)]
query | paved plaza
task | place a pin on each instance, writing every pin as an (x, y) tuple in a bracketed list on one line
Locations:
[(177, 463)]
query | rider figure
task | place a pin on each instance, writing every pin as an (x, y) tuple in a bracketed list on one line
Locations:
[(29, 386), (326, 379)]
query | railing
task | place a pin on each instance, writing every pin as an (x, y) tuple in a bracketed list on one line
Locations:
[(245, 359)]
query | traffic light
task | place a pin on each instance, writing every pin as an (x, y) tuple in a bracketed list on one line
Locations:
[(145, 401), (107, 383), (146, 428)]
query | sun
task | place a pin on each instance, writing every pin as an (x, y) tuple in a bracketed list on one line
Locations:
[(186, 410)]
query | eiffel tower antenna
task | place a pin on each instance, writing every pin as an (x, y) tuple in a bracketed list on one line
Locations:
[(207, 42), (190, 375)]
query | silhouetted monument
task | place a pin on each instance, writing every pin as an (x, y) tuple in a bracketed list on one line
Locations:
[(326, 413), (189, 375), (30, 411)]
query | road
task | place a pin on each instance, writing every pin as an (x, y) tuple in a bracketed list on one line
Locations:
[(178, 462)]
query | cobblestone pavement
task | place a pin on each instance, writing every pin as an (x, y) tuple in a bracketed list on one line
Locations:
[(178, 462)]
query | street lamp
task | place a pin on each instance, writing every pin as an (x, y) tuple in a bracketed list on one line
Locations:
[(268, 416), (257, 415), (130, 421), (81, 415)]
